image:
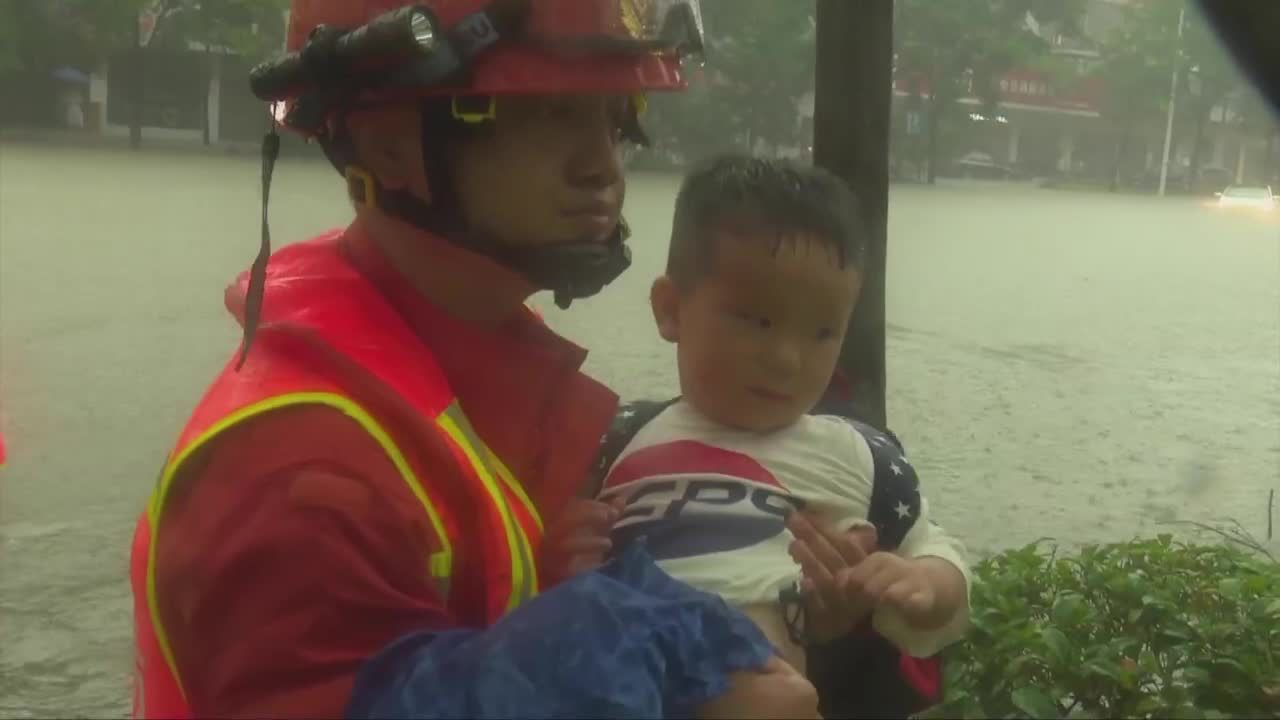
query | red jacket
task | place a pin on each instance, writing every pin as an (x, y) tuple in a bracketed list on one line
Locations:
[(324, 566)]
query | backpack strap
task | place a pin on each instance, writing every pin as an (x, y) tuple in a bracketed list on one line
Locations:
[(630, 418), (895, 491)]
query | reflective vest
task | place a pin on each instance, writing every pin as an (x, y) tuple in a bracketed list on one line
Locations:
[(329, 338)]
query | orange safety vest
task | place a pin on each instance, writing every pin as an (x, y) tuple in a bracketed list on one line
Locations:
[(328, 337)]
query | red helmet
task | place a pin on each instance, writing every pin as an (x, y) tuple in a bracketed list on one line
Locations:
[(533, 65), (346, 53)]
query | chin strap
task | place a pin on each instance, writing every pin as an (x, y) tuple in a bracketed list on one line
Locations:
[(571, 271)]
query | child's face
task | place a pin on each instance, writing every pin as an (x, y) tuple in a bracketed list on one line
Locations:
[(759, 335)]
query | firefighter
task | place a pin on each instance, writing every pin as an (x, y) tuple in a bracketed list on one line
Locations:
[(398, 443)]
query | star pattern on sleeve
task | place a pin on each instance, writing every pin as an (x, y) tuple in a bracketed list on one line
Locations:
[(895, 494)]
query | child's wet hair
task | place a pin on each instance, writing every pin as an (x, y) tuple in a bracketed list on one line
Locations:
[(763, 196)]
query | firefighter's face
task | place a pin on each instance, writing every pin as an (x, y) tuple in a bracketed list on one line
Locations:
[(549, 172)]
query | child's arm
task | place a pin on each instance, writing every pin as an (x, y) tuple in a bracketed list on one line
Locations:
[(923, 589), (922, 592), (917, 595), (916, 584)]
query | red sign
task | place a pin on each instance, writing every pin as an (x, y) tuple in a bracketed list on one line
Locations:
[(1022, 87)]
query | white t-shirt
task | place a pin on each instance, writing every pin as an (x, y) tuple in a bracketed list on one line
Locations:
[(711, 503)]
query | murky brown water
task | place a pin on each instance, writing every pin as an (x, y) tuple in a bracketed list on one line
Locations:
[(1064, 364)]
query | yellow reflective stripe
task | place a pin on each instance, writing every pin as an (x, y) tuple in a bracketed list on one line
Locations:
[(508, 479), (514, 485), (440, 563), (522, 565), (517, 488)]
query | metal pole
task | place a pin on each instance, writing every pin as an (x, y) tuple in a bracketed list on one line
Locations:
[(1173, 101), (853, 92), (1271, 502)]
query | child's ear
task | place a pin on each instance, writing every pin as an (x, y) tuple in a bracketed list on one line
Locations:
[(664, 299)]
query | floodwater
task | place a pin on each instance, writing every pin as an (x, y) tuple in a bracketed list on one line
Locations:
[(1060, 364)]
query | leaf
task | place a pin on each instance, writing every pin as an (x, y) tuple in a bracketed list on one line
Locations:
[(1231, 588), (1035, 703), (1149, 706), (1196, 675), (1108, 670), (1067, 609), (1155, 610), (1057, 643), (1147, 661)]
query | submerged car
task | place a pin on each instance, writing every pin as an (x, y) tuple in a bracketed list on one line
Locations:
[(1260, 198)]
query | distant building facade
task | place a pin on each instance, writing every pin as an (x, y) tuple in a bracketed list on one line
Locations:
[(1044, 127)]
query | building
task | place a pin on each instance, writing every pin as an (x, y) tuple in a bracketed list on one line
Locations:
[(1054, 127)]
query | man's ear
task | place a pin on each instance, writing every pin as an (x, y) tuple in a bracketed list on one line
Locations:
[(664, 299), (388, 142)]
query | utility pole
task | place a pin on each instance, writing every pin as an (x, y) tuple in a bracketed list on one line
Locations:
[(853, 92), (137, 86), (1173, 102)]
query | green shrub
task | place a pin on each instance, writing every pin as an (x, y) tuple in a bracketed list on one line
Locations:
[(1148, 628)]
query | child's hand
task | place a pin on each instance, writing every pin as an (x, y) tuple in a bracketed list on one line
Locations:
[(886, 579), (825, 555), (578, 540)]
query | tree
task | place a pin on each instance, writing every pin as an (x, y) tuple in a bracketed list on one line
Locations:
[(1249, 113), (10, 54), (759, 66), (102, 28), (1211, 79), (1134, 75), (249, 28), (37, 35), (949, 50)]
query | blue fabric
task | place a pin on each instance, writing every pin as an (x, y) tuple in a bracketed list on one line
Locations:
[(626, 641)]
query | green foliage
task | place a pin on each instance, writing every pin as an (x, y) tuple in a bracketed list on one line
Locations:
[(1137, 64), (951, 42), (1208, 61), (963, 47), (253, 29), (759, 64), (37, 34), (10, 58), (1148, 628), (103, 27)]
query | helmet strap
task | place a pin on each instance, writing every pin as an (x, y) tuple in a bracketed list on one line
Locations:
[(258, 273), (570, 271)]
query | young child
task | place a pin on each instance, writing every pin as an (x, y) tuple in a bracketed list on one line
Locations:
[(762, 277)]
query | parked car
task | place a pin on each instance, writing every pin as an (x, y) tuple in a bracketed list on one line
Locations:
[(980, 166)]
